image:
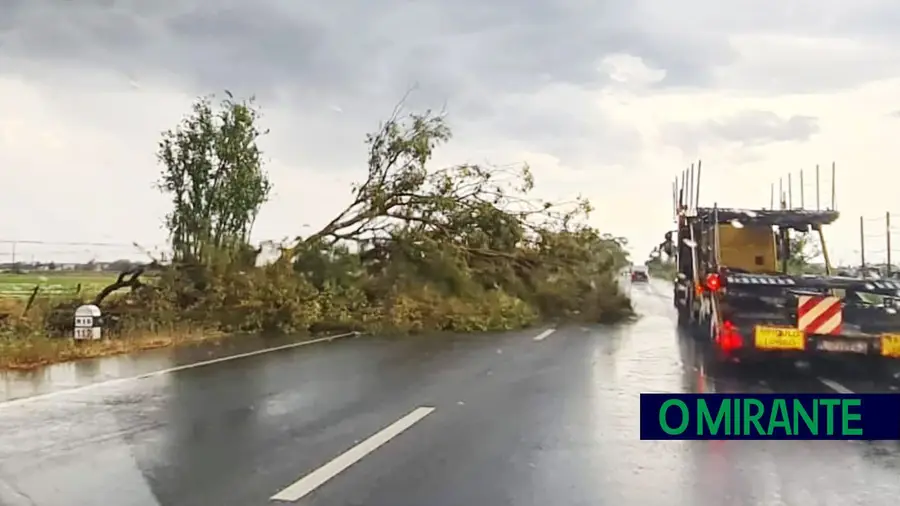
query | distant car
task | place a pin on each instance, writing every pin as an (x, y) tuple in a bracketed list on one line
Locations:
[(639, 276)]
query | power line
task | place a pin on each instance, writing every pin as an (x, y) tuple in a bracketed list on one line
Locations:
[(64, 243)]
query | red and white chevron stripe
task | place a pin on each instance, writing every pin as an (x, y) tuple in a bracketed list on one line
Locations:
[(819, 315)]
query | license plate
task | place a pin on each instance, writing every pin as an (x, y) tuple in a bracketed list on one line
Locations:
[(844, 346), (777, 338), (890, 345)]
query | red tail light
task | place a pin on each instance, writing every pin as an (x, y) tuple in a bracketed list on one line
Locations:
[(713, 282), (729, 337)]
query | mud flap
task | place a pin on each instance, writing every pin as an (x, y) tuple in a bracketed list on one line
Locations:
[(683, 319), (720, 361)]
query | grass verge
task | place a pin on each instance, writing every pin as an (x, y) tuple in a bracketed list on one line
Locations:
[(35, 352)]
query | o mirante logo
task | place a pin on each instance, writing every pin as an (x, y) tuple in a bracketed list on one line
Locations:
[(770, 416)]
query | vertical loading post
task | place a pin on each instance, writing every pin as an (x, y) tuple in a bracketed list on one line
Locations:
[(862, 246), (697, 193), (887, 236), (691, 187), (833, 188), (716, 244)]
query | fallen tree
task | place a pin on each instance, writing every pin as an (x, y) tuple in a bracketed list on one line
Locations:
[(460, 248), (463, 231)]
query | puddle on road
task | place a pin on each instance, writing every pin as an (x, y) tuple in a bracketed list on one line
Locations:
[(651, 356), (20, 384), (645, 357)]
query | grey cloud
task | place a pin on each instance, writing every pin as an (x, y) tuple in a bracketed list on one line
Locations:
[(352, 46), (747, 129), (804, 66), (561, 120), (764, 127), (867, 20), (361, 55), (462, 51)]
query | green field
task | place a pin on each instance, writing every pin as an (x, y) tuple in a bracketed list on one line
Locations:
[(53, 283)]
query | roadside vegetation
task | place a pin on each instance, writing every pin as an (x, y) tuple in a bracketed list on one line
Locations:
[(659, 267), (463, 248), (805, 249)]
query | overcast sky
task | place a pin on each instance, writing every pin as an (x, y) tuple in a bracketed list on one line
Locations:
[(610, 99)]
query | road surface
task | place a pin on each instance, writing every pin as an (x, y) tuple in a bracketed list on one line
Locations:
[(543, 417)]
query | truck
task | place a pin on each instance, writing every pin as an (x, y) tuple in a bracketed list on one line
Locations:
[(734, 288)]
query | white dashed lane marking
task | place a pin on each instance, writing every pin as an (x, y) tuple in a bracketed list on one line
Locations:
[(834, 385), (317, 478), (543, 335)]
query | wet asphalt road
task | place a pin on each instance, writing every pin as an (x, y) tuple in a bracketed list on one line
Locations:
[(524, 418)]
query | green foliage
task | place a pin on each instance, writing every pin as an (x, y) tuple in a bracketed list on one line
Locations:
[(212, 170), (461, 248), (804, 248), (660, 267)]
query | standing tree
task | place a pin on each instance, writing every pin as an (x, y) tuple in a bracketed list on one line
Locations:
[(213, 174), (804, 249)]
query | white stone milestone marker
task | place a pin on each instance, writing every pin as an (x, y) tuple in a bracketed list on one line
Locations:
[(88, 325)]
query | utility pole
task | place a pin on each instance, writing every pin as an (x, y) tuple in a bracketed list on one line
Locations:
[(802, 205), (691, 189)]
